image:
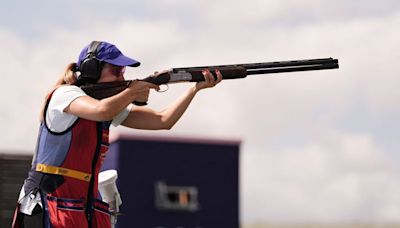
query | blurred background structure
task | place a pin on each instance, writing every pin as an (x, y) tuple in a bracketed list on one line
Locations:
[(13, 170), (176, 182), (317, 147)]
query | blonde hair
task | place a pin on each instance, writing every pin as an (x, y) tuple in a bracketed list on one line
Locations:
[(69, 77)]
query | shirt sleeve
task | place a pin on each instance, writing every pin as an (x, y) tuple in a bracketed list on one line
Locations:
[(118, 119), (56, 119)]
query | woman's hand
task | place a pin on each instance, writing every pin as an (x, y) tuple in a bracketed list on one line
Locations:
[(141, 90), (209, 80)]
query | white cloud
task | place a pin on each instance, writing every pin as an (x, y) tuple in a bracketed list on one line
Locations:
[(333, 177), (16, 97)]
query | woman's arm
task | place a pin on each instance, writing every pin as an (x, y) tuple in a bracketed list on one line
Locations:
[(106, 109), (146, 118)]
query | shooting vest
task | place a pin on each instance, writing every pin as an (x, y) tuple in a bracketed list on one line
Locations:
[(65, 170)]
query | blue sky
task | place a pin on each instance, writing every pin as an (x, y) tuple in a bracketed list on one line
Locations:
[(317, 146)]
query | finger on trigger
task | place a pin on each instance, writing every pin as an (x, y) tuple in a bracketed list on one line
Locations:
[(154, 86)]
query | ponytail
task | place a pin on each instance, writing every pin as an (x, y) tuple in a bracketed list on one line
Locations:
[(70, 77)]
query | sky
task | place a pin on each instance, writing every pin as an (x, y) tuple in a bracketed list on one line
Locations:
[(316, 146)]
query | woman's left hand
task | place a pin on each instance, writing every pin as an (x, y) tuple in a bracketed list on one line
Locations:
[(209, 79)]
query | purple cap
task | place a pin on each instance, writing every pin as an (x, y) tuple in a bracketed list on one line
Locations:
[(109, 53)]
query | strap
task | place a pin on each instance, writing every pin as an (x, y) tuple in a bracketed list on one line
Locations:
[(63, 171)]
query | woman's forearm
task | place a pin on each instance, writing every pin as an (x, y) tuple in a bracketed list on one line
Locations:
[(100, 110), (146, 118), (174, 112), (109, 107), (106, 109)]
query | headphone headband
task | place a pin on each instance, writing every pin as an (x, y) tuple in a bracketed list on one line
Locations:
[(92, 50)]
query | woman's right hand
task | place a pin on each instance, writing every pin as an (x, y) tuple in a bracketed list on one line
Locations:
[(140, 90)]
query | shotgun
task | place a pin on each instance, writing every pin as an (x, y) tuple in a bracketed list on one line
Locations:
[(194, 74)]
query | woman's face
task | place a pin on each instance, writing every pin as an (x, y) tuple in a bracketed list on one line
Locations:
[(112, 73)]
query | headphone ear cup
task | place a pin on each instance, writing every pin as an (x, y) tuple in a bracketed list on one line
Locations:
[(91, 67), (90, 70)]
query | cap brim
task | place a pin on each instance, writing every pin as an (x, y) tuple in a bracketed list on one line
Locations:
[(122, 60)]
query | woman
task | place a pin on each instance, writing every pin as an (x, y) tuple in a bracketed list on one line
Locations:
[(61, 189)]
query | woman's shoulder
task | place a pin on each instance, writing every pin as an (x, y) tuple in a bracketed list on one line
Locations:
[(66, 93), (68, 88)]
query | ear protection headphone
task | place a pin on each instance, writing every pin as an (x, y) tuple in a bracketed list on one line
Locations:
[(91, 67)]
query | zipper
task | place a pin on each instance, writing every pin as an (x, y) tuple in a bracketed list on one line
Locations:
[(90, 202)]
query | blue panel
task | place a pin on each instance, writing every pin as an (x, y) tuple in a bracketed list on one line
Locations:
[(51, 144)]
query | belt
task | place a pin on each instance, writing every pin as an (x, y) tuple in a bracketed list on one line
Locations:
[(63, 171)]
